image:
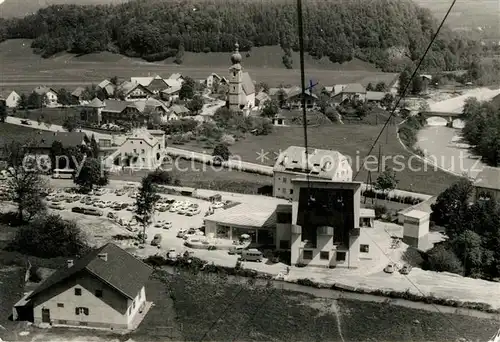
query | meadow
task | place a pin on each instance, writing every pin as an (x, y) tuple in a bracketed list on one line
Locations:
[(22, 69)]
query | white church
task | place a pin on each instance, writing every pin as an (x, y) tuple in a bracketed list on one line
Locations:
[(241, 95)]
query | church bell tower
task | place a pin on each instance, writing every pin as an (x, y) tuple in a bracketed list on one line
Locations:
[(235, 76)]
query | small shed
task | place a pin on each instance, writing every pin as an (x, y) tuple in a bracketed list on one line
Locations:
[(416, 228)]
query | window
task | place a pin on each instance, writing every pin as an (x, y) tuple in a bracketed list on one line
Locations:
[(364, 248), (142, 151), (284, 244), (143, 160), (63, 321), (82, 311), (135, 151), (140, 142), (98, 293), (307, 255), (284, 180), (291, 191), (324, 255), (78, 292), (340, 256), (60, 305)]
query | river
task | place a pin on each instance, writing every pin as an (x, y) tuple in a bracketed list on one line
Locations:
[(442, 146)]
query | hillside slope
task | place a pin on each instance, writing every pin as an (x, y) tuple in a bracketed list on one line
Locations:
[(21, 8), (388, 33)]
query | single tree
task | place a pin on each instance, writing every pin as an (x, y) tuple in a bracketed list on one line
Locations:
[(404, 78), (3, 111), (94, 147), (271, 108), (282, 97), (452, 202), (34, 101), (114, 80), (262, 86), (187, 89), (442, 259), (161, 177), (370, 87), (64, 97), (145, 204), (196, 104), (386, 181), (71, 124), (381, 86), (25, 184), (23, 101), (387, 101), (221, 153), (417, 85), (91, 174)]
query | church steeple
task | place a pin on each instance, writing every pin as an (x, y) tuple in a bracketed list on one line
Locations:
[(235, 80)]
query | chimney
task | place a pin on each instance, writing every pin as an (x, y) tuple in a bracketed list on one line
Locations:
[(103, 256), (70, 263)]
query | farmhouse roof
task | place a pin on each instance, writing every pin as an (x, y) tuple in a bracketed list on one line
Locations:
[(78, 91), (322, 163), (375, 95), (120, 270), (247, 84), (96, 103), (173, 83), (354, 88), (4, 94), (175, 76), (262, 96), (178, 109), (172, 90), (104, 83), (45, 139), (144, 81), (297, 91), (116, 106), (149, 104), (42, 90), (489, 178)]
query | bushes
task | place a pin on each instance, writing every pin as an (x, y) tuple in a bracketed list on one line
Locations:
[(401, 199), (50, 237), (227, 139), (160, 177), (442, 259), (380, 210)]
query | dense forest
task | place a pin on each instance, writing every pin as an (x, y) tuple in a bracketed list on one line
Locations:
[(388, 33)]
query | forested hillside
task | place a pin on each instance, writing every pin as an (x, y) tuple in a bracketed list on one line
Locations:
[(387, 33)]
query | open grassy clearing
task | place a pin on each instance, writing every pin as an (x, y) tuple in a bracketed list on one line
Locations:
[(56, 116), (351, 140), (9, 132), (19, 65)]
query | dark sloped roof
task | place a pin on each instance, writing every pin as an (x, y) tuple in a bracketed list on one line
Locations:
[(489, 178), (122, 271), (45, 139), (115, 106)]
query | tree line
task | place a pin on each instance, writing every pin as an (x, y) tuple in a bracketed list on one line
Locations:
[(388, 33), (482, 129)]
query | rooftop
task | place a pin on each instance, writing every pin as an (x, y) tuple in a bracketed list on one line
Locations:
[(354, 88), (489, 178), (121, 270), (248, 215), (375, 95), (45, 139), (321, 163), (417, 214)]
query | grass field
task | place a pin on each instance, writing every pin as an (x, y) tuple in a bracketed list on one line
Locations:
[(56, 116), (22, 69), (351, 140)]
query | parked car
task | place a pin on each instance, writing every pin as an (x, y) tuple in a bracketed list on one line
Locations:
[(156, 241), (390, 268), (160, 223), (93, 212), (182, 211), (172, 254), (251, 255), (57, 206), (218, 205), (181, 233), (79, 210), (167, 225), (406, 269), (26, 122)]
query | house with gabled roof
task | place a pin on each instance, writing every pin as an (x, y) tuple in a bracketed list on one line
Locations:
[(487, 183), (176, 77), (153, 83), (10, 98), (50, 94), (353, 92), (141, 149), (210, 80), (294, 98), (133, 91), (107, 88), (104, 289)]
